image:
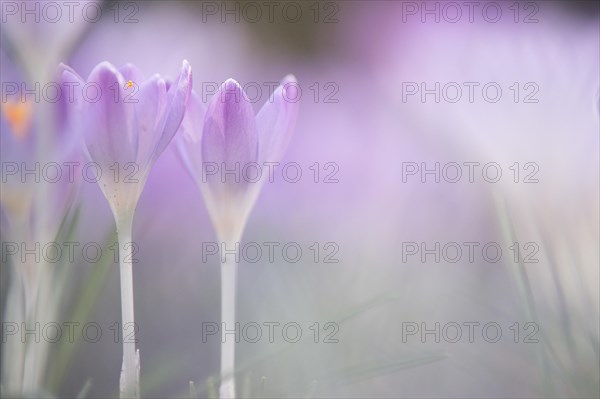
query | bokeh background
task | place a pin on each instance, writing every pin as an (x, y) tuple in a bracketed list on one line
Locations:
[(352, 60)]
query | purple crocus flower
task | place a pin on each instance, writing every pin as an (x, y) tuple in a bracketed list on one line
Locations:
[(129, 126), (225, 137), (126, 125), (228, 136)]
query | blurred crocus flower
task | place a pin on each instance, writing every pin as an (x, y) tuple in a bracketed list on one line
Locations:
[(20, 134), (26, 25), (36, 203), (126, 127), (227, 137)]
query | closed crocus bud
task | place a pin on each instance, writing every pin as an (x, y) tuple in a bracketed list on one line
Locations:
[(229, 143), (217, 144)]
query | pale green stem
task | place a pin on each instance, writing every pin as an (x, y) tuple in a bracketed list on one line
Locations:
[(228, 294), (129, 373)]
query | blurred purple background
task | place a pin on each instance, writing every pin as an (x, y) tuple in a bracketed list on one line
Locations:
[(354, 66)]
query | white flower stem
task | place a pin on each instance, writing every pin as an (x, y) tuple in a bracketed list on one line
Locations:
[(129, 384), (228, 294)]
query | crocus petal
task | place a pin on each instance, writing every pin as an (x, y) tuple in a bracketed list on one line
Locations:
[(229, 142), (177, 98), (67, 75), (69, 110), (109, 133), (72, 91), (188, 139), (150, 106), (132, 73), (276, 120), (229, 135), (191, 126)]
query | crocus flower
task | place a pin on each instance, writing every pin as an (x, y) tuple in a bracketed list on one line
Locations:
[(227, 136), (126, 127), (129, 126), (26, 25), (35, 208), (20, 133)]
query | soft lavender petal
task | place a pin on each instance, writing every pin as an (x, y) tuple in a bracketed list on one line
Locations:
[(149, 111), (188, 139), (132, 73), (229, 135), (276, 121), (193, 121), (70, 72), (72, 86), (177, 99), (69, 109), (71, 101), (109, 133)]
